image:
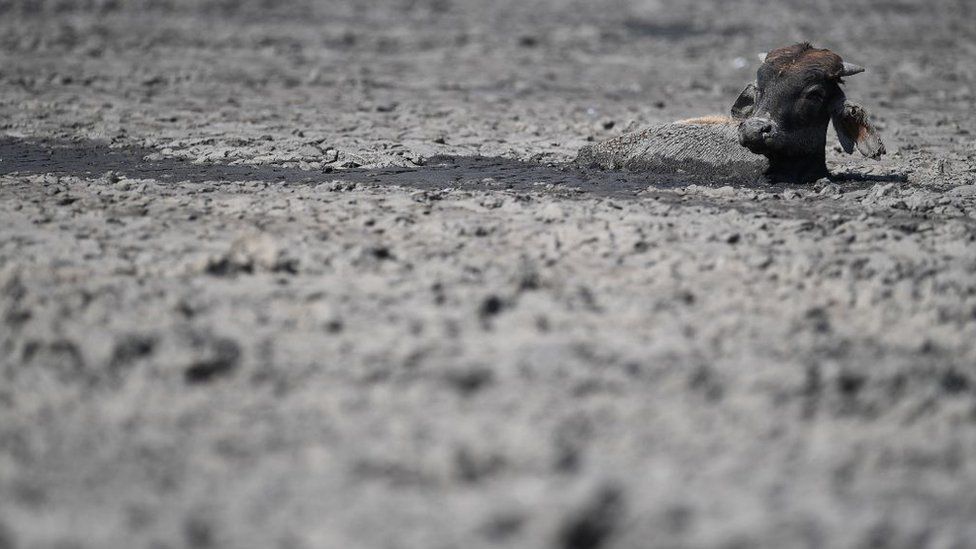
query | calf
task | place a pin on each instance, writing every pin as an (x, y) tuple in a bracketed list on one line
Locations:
[(782, 116)]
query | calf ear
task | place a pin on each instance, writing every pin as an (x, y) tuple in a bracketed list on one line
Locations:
[(853, 129), (746, 101)]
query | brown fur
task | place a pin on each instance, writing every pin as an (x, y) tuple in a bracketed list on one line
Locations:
[(805, 58), (710, 119)]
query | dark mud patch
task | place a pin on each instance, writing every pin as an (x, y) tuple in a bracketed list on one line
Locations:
[(93, 158), (85, 158)]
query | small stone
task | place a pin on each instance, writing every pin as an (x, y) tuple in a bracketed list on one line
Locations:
[(111, 177)]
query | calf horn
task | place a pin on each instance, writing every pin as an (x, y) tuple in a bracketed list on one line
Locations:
[(850, 69)]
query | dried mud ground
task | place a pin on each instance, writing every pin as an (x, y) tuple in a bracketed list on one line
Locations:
[(309, 274)]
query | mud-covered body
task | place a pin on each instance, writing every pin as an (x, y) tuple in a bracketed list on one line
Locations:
[(707, 147)]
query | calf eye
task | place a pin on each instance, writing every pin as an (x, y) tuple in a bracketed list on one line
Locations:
[(815, 95)]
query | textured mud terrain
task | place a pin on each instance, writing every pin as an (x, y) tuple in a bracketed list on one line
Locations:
[(320, 274)]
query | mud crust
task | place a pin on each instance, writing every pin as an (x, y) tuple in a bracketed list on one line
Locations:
[(323, 274)]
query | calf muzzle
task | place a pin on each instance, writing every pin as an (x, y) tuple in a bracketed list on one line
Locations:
[(755, 133)]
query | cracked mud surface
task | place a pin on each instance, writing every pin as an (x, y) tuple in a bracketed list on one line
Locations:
[(319, 274)]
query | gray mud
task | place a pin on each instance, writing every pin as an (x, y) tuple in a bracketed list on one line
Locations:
[(708, 152), (321, 274)]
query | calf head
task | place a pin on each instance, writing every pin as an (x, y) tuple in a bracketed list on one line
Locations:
[(784, 114)]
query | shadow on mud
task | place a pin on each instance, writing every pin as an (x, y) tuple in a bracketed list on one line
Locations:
[(93, 158)]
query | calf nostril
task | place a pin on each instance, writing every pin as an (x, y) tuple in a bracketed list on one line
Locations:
[(756, 128), (756, 131)]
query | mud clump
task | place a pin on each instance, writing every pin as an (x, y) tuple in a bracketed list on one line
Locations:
[(251, 254), (220, 357)]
